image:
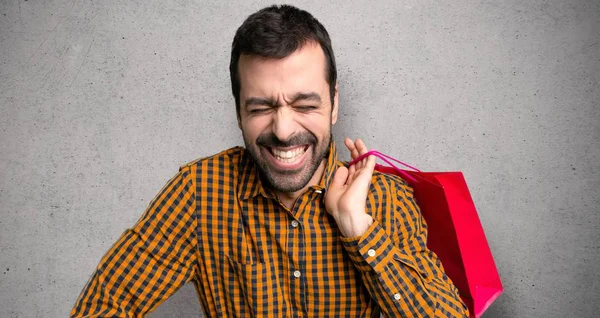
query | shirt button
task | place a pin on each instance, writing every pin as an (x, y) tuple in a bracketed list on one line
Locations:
[(297, 274), (397, 297), (371, 252), (295, 223)]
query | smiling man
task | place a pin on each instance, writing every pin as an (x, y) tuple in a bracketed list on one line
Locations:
[(286, 117), (279, 228)]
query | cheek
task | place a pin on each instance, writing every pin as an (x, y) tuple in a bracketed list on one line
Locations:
[(254, 126), (318, 124)]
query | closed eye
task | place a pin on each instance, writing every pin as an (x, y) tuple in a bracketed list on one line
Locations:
[(306, 108), (259, 110)]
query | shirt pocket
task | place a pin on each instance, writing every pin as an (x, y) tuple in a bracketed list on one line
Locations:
[(259, 289)]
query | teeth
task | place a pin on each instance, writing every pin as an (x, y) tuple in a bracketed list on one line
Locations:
[(288, 156)]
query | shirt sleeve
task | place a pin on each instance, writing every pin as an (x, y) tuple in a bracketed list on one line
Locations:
[(404, 277), (150, 261)]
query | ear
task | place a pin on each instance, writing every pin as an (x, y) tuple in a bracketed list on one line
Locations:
[(335, 106)]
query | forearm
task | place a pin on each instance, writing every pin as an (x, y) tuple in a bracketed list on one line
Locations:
[(132, 286), (403, 284), (150, 261)]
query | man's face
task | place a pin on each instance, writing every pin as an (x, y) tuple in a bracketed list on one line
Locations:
[(286, 115)]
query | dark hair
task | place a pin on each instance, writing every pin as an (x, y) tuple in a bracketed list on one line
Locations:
[(276, 32)]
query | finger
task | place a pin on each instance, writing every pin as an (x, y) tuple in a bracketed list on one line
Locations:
[(336, 188), (352, 169), (339, 178), (351, 147), (338, 183), (365, 175), (368, 164), (371, 162), (348, 142), (358, 164), (362, 149), (364, 170)]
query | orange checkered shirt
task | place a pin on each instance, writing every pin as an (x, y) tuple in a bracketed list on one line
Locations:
[(215, 224)]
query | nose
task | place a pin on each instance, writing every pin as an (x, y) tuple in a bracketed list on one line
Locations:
[(284, 124)]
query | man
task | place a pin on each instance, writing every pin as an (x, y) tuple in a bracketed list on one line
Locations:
[(281, 227)]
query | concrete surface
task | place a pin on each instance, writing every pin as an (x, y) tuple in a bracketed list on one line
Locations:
[(102, 101)]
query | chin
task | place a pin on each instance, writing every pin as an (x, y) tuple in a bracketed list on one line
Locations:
[(288, 183)]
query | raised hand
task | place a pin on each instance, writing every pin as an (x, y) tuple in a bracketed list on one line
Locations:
[(347, 194)]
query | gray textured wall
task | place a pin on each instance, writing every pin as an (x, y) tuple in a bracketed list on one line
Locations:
[(102, 101)]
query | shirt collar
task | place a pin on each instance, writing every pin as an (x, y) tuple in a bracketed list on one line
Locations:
[(251, 185)]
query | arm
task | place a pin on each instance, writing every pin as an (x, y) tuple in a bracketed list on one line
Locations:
[(402, 275), (150, 261)]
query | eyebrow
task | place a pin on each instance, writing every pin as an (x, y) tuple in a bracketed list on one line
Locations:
[(311, 97), (260, 101)]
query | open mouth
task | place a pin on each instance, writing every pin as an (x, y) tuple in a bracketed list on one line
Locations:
[(288, 155), (287, 158)]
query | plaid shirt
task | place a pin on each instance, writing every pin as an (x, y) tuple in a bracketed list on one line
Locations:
[(215, 224)]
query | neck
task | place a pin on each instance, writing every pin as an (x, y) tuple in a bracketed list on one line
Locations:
[(289, 198)]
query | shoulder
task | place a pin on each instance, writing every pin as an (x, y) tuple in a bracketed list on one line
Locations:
[(225, 162), (390, 183), (397, 209), (228, 155), (396, 194)]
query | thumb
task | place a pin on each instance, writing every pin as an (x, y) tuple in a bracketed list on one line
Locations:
[(336, 188), (339, 179)]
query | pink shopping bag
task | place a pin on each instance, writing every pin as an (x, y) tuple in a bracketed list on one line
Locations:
[(455, 232)]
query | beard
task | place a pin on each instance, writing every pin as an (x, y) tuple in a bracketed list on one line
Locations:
[(288, 180)]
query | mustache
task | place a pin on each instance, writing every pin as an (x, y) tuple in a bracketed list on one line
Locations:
[(270, 140)]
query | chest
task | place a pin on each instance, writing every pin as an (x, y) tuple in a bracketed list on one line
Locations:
[(256, 255)]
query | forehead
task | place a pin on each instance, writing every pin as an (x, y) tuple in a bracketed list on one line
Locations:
[(300, 71)]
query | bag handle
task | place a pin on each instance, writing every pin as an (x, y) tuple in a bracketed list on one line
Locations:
[(385, 159)]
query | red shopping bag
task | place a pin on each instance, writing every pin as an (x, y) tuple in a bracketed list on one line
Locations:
[(455, 233)]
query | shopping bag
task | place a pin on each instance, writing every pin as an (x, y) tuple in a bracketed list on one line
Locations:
[(455, 233)]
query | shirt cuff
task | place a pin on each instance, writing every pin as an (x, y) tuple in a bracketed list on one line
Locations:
[(372, 251)]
